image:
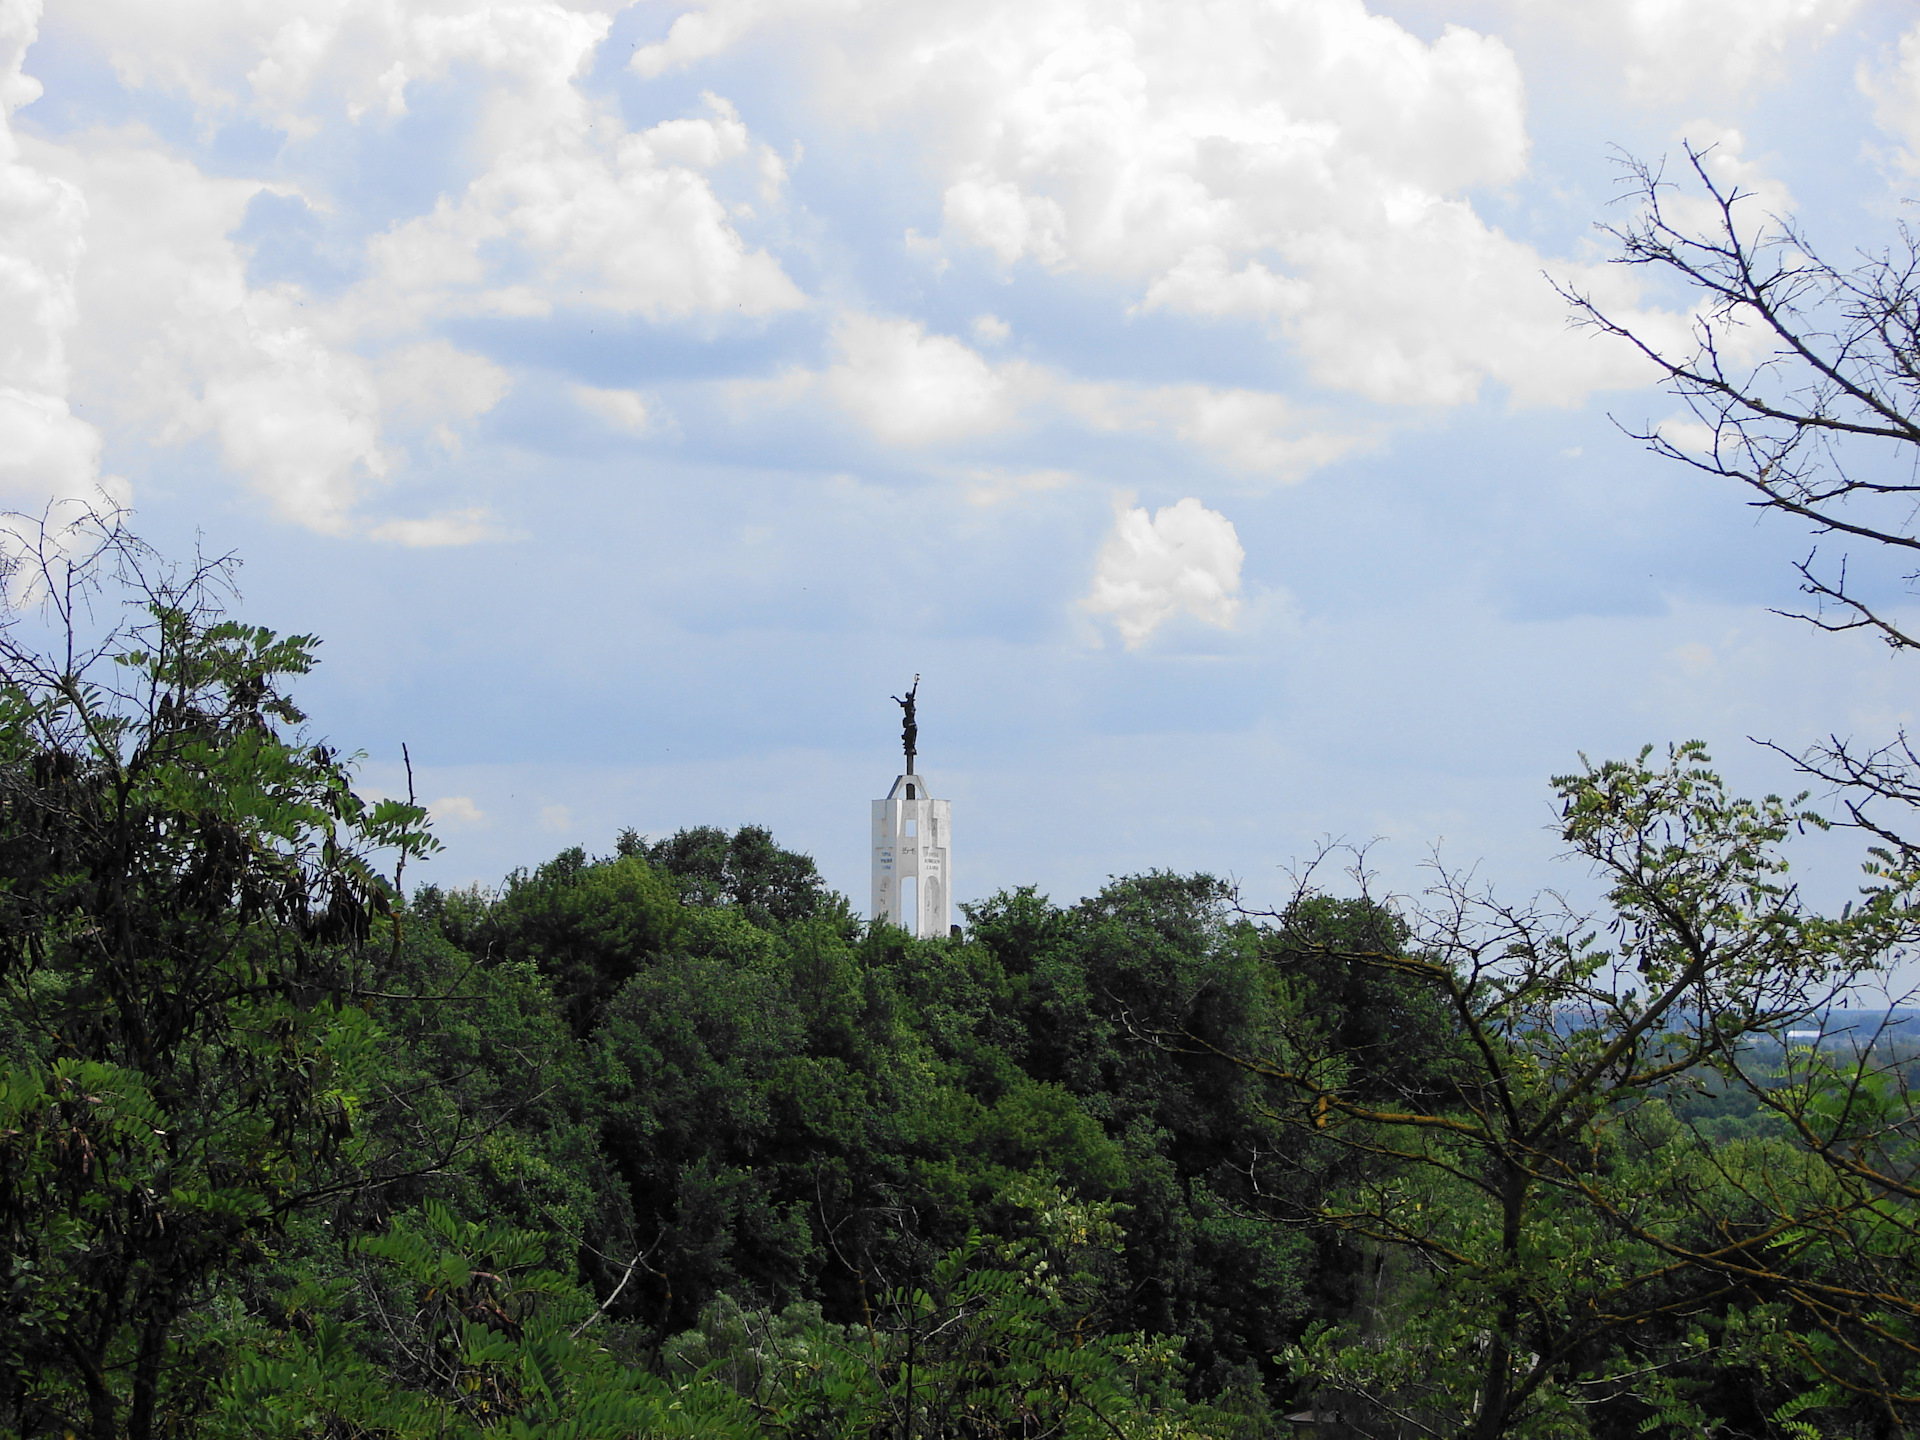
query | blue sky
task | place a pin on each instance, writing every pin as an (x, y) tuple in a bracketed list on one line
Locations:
[(634, 396)]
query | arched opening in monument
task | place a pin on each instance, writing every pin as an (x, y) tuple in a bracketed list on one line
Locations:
[(910, 905), (910, 794)]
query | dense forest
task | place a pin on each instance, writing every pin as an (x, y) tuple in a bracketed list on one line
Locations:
[(670, 1141)]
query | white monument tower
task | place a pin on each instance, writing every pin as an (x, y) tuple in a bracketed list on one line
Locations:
[(912, 845)]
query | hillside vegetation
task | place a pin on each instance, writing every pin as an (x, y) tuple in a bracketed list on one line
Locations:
[(667, 1141)]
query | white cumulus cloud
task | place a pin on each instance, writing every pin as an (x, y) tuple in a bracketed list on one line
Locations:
[(299, 64), (991, 330), (1722, 151), (450, 527), (1681, 51), (117, 261), (46, 452), (623, 221), (623, 409), (434, 383), (456, 810), (1302, 162), (1254, 431), (908, 387), (1183, 559), (172, 338), (1687, 432), (1894, 88)]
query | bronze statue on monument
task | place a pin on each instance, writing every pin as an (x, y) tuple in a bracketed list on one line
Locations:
[(909, 728)]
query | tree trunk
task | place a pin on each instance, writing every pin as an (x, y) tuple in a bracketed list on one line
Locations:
[(1497, 1386), (101, 1409), (146, 1378)]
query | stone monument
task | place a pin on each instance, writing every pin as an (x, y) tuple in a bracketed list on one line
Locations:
[(912, 843)]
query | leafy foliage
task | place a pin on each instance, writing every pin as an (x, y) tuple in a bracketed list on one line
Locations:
[(1572, 1251), (187, 896), (666, 1142)]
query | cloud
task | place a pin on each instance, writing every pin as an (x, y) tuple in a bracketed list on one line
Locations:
[(450, 527), (991, 330), (623, 409), (456, 810), (1675, 51), (1301, 162), (1204, 282), (297, 67), (1723, 154), (118, 263), (1252, 430), (907, 387), (434, 383), (991, 485), (622, 219), (1184, 559), (46, 452), (911, 388), (1894, 88), (170, 337), (1687, 432), (608, 218), (698, 33)]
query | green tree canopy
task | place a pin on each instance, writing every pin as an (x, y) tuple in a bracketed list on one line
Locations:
[(187, 897)]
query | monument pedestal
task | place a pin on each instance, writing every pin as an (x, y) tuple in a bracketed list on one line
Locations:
[(912, 872)]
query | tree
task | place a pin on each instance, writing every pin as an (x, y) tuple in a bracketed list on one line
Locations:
[(588, 925), (996, 1341), (770, 885), (1572, 1250), (482, 1338), (1803, 377), (188, 894), (1146, 951)]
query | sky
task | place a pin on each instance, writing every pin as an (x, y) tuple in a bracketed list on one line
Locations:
[(636, 396)]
